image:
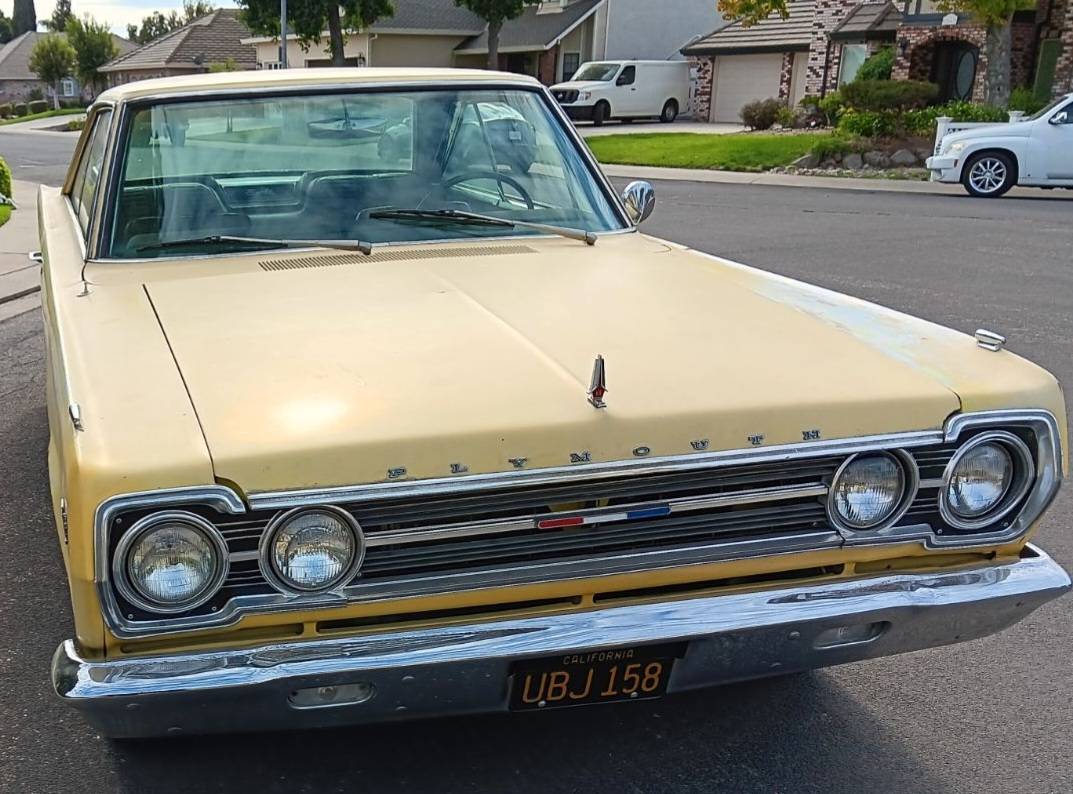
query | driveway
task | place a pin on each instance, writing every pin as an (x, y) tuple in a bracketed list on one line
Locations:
[(992, 715)]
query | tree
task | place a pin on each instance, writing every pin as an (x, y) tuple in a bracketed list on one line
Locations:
[(52, 59), (57, 23), (23, 17), (495, 13), (7, 31), (309, 18), (995, 16), (156, 24), (93, 45)]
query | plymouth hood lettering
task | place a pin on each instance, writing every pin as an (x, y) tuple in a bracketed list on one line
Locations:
[(350, 374)]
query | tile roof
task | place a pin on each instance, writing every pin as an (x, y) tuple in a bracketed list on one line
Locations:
[(442, 16), (213, 38), (15, 55), (773, 34), (533, 30), (869, 18)]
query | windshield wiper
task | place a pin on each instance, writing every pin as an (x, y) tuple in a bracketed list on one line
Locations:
[(476, 219), (226, 239)]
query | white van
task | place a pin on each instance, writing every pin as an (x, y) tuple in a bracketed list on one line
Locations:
[(604, 90)]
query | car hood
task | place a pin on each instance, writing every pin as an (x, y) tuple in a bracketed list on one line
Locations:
[(1020, 130), (323, 370)]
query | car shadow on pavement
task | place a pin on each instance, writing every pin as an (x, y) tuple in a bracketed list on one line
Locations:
[(798, 733)]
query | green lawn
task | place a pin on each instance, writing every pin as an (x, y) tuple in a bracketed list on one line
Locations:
[(5, 213), (46, 115), (750, 151)]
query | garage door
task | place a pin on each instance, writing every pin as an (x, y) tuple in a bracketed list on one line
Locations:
[(742, 78)]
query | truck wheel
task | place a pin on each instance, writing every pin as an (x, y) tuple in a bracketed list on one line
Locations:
[(670, 112), (989, 174), (600, 114)]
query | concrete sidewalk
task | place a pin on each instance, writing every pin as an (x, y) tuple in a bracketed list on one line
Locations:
[(20, 279), (41, 126), (819, 182), (588, 130)]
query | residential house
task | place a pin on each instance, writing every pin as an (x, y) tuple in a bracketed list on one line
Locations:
[(824, 42), (215, 38), (19, 84), (550, 40)]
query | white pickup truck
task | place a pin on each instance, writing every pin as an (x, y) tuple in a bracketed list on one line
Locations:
[(989, 160)]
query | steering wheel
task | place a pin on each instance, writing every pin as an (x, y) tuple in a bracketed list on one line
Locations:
[(466, 176)]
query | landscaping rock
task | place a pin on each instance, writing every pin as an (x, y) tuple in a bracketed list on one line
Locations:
[(853, 161), (877, 159), (810, 160), (903, 158), (924, 154), (828, 163)]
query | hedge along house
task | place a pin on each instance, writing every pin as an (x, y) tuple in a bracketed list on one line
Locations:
[(824, 42)]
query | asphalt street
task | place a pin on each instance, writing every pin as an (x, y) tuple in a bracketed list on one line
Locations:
[(37, 157), (993, 715)]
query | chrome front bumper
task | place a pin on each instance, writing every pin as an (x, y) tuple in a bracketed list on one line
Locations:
[(466, 668)]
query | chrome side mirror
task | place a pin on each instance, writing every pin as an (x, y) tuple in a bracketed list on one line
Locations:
[(640, 200)]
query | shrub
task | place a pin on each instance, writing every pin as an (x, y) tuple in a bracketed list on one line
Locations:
[(882, 95), (6, 110), (877, 66), (786, 117), (37, 106), (20, 109), (872, 123), (74, 125), (829, 146), (922, 121), (36, 94), (832, 107), (762, 114), (5, 178), (1025, 100)]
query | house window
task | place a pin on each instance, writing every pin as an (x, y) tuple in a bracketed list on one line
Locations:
[(67, 87), (273, 65), (853, 55), (571, 63)]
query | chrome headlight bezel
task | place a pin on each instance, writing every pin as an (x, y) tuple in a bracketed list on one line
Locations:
[(121, 563), (1024, 476), (910, 485), (268, 539)]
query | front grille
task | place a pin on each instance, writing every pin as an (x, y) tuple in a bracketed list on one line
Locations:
[(565, 97), (511, 531)]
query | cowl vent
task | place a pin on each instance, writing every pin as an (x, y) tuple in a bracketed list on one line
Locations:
[(397, 255)]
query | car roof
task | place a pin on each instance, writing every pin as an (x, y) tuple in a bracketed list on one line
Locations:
[(267, 79)]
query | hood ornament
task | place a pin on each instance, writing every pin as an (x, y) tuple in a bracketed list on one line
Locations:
[(598, 387)]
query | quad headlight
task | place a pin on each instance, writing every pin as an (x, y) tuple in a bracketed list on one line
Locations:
[(985, 480), (312, 550), (170, 562), (870, 491)]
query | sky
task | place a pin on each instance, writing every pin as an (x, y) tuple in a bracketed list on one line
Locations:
[(117, 13)]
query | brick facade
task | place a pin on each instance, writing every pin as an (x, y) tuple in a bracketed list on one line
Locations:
[(824, 55), (547, 65), (1063, 74), (702, 101), (915, 62), (786, 76), (1022, 53)]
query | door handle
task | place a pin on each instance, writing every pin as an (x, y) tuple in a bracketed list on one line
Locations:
[(36, 256)]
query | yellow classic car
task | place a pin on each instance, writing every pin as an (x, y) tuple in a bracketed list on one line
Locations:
[(369, 401)]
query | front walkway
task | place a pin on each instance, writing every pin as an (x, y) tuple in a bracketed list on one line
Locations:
[(20, 279)]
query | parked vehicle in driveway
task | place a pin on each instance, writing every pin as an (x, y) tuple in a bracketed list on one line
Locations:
[(342, 435), (626, 90), (989, 160)]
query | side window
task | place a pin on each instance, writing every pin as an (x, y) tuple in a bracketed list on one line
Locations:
[(1067, 113), (628, 76), (88, 176)]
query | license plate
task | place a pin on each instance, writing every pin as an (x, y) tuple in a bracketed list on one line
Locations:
[(578, 679)]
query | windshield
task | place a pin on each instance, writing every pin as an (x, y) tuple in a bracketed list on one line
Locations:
[(319, 167), (596, 72), (1051, 108)]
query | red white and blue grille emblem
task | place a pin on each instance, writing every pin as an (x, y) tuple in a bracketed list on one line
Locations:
[(636, 514)]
